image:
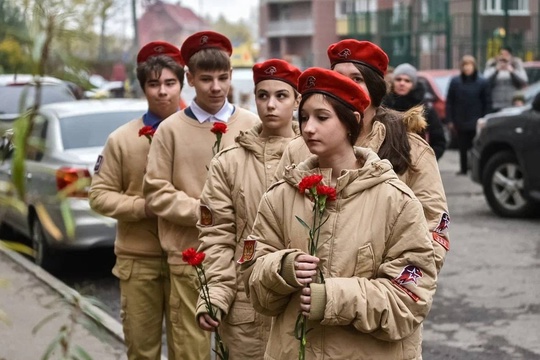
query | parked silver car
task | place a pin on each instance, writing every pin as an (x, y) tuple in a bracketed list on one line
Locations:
[(65, 142)]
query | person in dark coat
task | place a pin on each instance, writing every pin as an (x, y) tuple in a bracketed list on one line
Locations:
[(406, 93), (468, 99)]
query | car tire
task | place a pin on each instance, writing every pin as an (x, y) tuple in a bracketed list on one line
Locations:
[(44, 256), (503, 186)]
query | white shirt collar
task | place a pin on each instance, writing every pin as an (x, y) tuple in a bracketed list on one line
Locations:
[(222, 115)]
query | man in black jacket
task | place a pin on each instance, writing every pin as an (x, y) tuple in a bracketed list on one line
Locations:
[(468, 99), (406, 93)]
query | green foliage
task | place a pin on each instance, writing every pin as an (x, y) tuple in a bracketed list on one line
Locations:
[(238, 33)]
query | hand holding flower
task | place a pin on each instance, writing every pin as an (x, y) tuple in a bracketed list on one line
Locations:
[(305, 301), (207, 323), (305, 267)]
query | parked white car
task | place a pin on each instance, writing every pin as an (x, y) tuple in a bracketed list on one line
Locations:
[(65, 142)]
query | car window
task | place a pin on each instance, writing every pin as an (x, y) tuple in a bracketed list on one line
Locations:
[(11, 96), (36, 140), (443, 83), (93, 129)]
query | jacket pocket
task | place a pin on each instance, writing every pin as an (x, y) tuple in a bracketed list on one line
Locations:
[(365, 262), (122, 268), (240, 313)]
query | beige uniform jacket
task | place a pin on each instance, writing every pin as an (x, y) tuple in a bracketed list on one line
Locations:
[(176, 172), (376, 256), (116, 191), (425, 181), (237, 178)]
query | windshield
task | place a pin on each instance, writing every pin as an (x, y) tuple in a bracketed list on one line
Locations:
[(11, 96), (443, 82), (93, 129)]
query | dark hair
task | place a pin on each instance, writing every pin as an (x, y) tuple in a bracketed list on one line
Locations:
[(376, 85), (344, 113), (155, 65), (395, 147), (209, 59), (507, 48)]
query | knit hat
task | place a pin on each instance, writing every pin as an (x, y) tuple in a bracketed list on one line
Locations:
[(333, 84), (156, 48), (276, 69), (407, 70), (204, 40), (360, 52)]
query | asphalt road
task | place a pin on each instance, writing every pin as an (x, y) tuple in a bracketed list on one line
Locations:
[(487, 304)]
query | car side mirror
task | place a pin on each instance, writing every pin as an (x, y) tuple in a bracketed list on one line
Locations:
[(6, 146), (536, 102)]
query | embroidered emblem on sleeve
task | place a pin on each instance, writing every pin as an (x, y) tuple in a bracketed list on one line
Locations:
[(98, 164), (409, 275), (440, 232), (206, 216), (249, 251)]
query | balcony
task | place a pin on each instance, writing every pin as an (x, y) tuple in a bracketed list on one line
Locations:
[(283, 28)]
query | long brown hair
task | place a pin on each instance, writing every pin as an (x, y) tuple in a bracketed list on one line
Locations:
[(395, 147)]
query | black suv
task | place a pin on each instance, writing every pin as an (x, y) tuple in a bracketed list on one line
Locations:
[(505, 159)]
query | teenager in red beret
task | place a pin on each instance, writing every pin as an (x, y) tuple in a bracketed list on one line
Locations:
[(177, 169), (117, 191), (371, 280), (237, 178), (392, 134)]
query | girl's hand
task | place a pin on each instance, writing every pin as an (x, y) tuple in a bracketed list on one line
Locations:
[(305, 267), (305, 301)]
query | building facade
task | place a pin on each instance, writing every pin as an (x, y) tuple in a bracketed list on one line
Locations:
[(430, 34)]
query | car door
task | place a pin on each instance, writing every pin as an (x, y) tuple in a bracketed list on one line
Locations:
[(531, 152)]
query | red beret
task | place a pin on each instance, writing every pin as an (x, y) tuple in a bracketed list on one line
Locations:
[(204, 40), (276, 69), (332, 83), (360, 52), (155, 48)]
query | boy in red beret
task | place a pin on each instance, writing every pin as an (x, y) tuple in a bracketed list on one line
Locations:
[(177, 169), (117, 191), (237, 178)]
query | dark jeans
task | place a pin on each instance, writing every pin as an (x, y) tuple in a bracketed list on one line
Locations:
[(464, 140)]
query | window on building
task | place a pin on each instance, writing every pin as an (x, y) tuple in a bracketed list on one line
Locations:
[(497, 7), (398, 12)]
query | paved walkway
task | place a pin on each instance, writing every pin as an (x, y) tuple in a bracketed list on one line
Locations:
[(29, 295)]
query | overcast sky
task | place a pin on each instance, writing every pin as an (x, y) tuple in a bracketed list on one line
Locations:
[(233, 10)]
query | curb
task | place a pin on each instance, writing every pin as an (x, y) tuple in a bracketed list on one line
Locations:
[(108, 322)]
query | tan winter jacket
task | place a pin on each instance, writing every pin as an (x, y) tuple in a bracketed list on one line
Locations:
[(425, 180), (176, 172), (376, 257), (237, 178), (116, 191)]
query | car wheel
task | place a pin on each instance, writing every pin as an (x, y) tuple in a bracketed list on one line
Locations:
[(504, 187), (44, 256)]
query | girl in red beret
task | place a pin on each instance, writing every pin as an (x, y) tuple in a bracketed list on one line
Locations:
[(392, 134), (365, 285), (237, 178)]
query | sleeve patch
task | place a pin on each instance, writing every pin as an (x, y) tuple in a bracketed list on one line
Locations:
[(99, 162), (207, 219), (249, 251)]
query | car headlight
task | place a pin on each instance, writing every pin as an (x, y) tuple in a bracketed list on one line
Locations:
[(480, 125)]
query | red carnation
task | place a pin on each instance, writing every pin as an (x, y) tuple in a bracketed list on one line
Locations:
[(147, 131), (328, 191), (309, 182), (195, 259), (219, 128)]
